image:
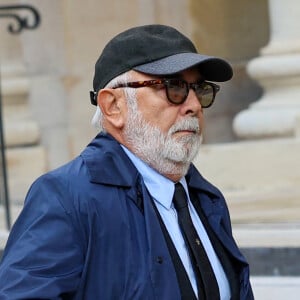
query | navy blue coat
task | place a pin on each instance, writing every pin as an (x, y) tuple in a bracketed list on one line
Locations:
[(88, 231)]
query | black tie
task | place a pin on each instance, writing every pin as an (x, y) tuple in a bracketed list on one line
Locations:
[(206, 280)]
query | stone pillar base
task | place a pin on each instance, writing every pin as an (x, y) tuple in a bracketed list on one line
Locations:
[(275, 114)]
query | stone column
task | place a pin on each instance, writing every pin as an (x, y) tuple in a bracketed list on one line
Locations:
[(43, 54), (277, 70), (26, 159)]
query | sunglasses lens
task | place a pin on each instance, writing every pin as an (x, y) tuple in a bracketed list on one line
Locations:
[(205, 94), (176, 91)]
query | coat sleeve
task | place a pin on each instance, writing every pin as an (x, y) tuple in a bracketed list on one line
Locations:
[(43, 257)]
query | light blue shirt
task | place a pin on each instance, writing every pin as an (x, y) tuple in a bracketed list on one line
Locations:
[(162, 190)]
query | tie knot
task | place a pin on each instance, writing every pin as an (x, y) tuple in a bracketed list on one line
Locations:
[(179, 198)]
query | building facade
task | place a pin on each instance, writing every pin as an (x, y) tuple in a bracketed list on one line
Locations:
[(47, 74)]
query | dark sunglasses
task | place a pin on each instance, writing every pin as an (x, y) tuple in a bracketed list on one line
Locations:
[(177, 90)]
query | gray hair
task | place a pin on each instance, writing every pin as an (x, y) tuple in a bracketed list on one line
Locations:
[(130, 94)]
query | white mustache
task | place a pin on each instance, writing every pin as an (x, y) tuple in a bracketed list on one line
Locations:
[(191, 124)]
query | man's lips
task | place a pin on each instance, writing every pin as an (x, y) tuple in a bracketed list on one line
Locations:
[(186, 131)]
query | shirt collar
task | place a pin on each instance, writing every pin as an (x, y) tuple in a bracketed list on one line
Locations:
[(160, 187)]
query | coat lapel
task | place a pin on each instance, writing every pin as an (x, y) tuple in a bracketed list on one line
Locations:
[(215, 209), (108, 164)]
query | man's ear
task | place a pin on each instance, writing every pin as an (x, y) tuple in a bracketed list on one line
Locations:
[(112, 105)]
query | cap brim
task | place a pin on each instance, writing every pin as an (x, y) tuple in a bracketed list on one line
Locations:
[(211, 68)]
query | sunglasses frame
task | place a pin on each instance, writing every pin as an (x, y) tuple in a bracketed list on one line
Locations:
[(166, 82)]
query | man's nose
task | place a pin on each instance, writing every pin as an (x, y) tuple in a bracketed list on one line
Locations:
[(192, 104)]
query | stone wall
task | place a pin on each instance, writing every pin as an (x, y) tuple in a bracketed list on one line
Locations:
[(47, 74)]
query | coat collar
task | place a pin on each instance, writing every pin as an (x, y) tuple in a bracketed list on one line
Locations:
[(196, 181), (107, 162)]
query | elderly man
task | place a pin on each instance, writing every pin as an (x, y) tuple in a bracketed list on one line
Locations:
[(131, 217)]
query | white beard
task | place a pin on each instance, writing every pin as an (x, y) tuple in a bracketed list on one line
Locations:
[(163, 152)]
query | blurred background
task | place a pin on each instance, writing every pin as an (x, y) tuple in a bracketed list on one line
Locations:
[(251, 146)]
